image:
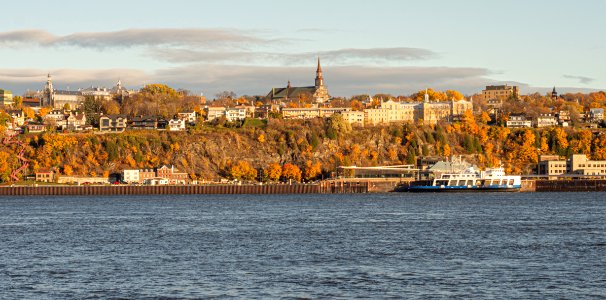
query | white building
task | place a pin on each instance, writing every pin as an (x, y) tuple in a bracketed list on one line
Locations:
[(235, 114), (547, 120), (188, 116), (518, 121), (176, 125), (130, 176)]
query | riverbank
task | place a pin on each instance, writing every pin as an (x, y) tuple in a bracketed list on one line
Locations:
[(350, 186)]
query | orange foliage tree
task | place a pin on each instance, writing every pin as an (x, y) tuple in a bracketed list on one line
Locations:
[(291, 172), (273, 172)]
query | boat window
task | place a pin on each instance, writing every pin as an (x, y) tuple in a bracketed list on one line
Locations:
[(441, 182), (510, 181), (461, 182), (469, 182)]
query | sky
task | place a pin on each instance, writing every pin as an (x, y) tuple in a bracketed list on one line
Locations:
[(248, 47)]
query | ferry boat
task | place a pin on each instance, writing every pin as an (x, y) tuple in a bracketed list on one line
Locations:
[(470, 180)]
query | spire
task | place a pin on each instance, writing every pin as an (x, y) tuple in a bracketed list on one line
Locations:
[(426, 96), (288, 86), (319, 70), (319, 78)]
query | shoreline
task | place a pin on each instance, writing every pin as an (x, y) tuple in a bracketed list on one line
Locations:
[(325, 187)]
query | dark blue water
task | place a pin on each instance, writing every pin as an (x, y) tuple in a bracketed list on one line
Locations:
[(465, 246)]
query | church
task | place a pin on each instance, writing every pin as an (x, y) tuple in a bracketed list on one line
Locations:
[(318, 92)]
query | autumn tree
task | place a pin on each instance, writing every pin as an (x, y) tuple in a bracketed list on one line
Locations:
[(242, 170), (312, 170), (454, 95), (273, 172), (291, 172), (44, 111), (17, 102)]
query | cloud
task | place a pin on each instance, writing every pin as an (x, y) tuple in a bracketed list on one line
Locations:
[(581, 79), (342, 56), (193, 37), (341, 80), (258, 80), (20, 80)]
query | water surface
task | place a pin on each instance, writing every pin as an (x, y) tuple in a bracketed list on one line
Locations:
[(503, 246)]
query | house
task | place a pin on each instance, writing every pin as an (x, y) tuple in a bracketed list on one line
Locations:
[(250, 110), (18, 116), (546, 120), (176, 125), (35, 127), (235, 114), (112, 123), (596, 115), (56, 117), (213, 113), (172, 174), (75, 121), (188, 116), (45, 176), (518, 121), (144, 123)]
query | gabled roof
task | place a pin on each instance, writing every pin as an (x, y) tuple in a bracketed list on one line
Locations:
[(145, 119), (113, 117), (290, 92)]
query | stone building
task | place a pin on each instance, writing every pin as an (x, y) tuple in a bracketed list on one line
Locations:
[(318, 92)]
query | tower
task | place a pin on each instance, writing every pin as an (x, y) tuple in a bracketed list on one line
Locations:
[(49, 92), (554, 94), (426, 96), (320, 91), (319, 78)]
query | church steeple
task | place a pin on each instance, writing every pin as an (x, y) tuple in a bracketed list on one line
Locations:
[(554, 94), (48, 98), (319, 78)]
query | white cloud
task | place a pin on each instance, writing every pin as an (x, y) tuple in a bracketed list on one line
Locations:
[(336, 57), (192, 37)]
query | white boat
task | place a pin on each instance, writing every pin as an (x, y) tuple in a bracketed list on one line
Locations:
[(471, 180)]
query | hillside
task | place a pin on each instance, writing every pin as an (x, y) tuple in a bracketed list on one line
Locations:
[(316, 147)]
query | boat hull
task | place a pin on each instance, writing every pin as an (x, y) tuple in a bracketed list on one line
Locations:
[(459, 189)]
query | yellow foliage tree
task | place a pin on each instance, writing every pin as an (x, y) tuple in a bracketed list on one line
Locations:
[(312, 170), (273, 172), (242, 170), (67, 170), (291, 172)]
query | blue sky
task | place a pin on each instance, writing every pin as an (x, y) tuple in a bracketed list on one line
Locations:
[(248, 47)]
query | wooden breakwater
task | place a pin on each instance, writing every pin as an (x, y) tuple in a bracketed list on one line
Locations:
[(350, 186), (57, 190), (577, 185)]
